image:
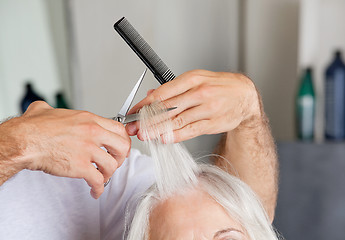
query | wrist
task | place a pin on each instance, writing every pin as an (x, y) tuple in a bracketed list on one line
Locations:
[(254, 115), (12, 145)]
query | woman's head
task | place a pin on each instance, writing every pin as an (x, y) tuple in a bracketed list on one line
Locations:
[(193, 201), (187, 216), (219, 207)]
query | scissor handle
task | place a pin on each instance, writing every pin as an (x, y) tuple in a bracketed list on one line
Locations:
[(119, 119), (105, 184)]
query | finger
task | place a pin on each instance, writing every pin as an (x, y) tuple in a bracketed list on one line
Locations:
[(111, 125), (149, 92), (100, 127), (191, 131), (95, 180), (133, 128), (117, 140), (117, 145), (191, 115), (106, 164), (182, 102), (186, 117), (170, 89), (109, 134)]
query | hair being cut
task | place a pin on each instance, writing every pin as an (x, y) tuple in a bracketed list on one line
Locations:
[(177, 172)]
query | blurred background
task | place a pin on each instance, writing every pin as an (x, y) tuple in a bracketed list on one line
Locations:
[(67, 53)]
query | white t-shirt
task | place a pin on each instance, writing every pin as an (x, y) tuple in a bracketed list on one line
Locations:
[(35, 205)]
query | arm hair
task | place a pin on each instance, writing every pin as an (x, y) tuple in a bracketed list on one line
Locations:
[(251, 152), (10, 151)]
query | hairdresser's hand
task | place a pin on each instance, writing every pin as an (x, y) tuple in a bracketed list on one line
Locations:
[(66, 142), (207, 103)]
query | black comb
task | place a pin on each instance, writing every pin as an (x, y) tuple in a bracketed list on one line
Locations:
[(161, 72)]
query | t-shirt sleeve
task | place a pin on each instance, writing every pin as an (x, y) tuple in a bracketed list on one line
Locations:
[(119, 199)]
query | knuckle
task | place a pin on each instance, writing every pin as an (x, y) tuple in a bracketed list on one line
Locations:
[(193, 77), (244, 79), (121, 129), (118, 125), (250, 85), (86, 115), (191, 129), (195, 130), (179, 122), (122, 147), (91, 128), (153, 97), (205, 91), (126, 145), (37, 105), (197, 76), (82, 165), (215, 106), (88, 145), (113, 166), (199, 72), (118, 128)]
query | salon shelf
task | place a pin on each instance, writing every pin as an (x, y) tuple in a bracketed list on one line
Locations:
[(320, 34), (311, 202)]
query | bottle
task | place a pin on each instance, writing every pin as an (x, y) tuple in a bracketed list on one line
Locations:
[(60, 101), (335, 99), (306, 107), (29, 97)]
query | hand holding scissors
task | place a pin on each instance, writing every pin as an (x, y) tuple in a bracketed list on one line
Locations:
[(122, 116)]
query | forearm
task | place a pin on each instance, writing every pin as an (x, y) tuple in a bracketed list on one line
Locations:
[(10, 152), (250, 154), (8, 167)]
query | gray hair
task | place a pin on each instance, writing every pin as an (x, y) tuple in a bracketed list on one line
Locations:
[(177, 172)]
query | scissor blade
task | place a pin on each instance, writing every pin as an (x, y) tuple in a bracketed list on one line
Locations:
[(136, 116), (131, 96), (131, 118)]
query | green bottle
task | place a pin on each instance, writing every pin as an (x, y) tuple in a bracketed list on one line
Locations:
[(306, 107), (60, 101)]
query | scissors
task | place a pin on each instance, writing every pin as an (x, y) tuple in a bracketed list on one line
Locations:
[(122, 116)]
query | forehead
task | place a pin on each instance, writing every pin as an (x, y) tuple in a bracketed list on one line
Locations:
[(194, 215)]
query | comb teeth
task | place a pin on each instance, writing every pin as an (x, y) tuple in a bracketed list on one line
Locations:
[(159, 69)]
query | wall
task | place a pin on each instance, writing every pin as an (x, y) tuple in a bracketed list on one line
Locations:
[(185, 34), (27, 52), (199, 34), (58, 20), (270, 52)]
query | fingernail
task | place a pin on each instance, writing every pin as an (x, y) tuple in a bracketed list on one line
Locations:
[(131, 128), (140, 136)]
